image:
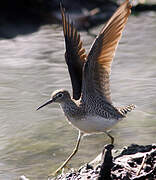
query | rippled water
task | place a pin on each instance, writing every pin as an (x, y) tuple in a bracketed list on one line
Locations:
[(32, 66)]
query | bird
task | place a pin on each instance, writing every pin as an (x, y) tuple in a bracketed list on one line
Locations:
[(90, 108)]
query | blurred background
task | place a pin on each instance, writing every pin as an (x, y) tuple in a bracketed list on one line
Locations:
[(32, 65)]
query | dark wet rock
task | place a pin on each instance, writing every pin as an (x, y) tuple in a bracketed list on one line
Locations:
[(107, 163), (135, 162), (134, 148)]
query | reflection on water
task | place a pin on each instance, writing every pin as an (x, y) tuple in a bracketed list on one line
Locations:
[(35, 143)]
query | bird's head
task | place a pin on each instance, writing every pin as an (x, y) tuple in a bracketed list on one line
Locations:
[(58, 96)]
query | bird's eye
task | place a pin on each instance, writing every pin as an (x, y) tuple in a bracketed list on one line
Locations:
[(60, 95)]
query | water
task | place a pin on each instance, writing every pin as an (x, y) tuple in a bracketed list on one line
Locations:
[(32, 66)]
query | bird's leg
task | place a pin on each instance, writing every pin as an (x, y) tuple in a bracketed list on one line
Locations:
[(112, 138), (72, 154)]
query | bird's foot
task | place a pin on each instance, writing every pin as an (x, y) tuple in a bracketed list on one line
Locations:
[(60, 170), (111, 137)]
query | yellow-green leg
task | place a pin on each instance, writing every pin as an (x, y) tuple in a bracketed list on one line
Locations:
[(111, 137), (72, 154)]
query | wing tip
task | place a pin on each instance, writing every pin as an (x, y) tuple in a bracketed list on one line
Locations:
[(61, 7), (64, 18), (61, 4), (128, 4)]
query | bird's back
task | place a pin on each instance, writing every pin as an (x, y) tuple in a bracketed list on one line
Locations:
[(96, 105)]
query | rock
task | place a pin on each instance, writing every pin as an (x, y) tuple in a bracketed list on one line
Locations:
[(135, 162)]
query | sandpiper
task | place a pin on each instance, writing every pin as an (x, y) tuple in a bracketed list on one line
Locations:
[(90, 109)]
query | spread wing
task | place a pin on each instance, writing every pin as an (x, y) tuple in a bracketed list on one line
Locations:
[(98, 66), (75, 54)]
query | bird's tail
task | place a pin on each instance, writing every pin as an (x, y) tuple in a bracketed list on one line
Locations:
[(126, 109)]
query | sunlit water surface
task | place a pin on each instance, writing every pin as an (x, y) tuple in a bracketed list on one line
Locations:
[(32, 66)]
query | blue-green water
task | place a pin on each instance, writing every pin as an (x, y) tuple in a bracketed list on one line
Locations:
[(32, 66)]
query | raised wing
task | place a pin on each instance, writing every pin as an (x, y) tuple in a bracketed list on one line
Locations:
[(98, 67), (75, 54)]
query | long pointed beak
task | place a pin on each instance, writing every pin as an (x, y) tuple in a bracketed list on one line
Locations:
[(48, 102)]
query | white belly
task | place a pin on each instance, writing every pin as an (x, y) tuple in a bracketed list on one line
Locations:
[(93, 124)]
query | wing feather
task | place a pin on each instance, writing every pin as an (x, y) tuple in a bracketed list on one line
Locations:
[(98, 66), (75, 54)]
